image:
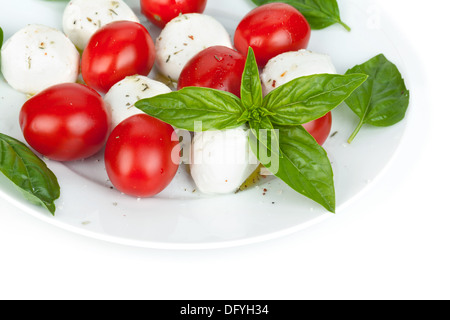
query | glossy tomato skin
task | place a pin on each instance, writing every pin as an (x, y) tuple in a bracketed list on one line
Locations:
[(160, 12), (142, 156), (66, 122), (116, 51), (216, 67), (272, 29), (320, 129)]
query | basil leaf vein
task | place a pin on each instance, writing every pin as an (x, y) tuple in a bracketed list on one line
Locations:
[(28, 172)]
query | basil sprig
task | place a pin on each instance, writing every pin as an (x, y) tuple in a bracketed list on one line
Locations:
[(383, 99), (275, 122), (29, 173), (319, 13)]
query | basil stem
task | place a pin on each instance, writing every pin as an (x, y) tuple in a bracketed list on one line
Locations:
[(319, 13), (383, 99), (28, 172)]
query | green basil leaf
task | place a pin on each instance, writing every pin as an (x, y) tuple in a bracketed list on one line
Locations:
[(308, 98), (251, 89), (384, 99), (319, 13), (184, 109), (305, 166), (28, 172)]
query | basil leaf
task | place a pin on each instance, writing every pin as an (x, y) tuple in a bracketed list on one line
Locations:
[(384, 99), (215, 109), (308, 98), (319, 13), (28, 172), (305, 166), (251, 89)]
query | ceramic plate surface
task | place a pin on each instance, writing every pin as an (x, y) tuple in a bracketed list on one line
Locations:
[(180, 217)]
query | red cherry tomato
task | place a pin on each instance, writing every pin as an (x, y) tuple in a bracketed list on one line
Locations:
[(66, 122), (142, 156), (160, 12), (118, 50), (272, 29), (320, 129), (216, 67)]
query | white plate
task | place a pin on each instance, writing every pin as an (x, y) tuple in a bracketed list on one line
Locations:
[(180, 218)]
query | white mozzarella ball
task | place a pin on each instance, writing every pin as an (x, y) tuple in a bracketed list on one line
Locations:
[(82, 18), (38, 57), (124, 94), (221, 161), (291, 65), (184, 37)]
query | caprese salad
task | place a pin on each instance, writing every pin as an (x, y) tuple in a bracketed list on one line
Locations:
[(259, 100)]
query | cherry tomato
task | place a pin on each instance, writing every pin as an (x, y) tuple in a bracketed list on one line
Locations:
[(216, 67), (320, 129), (272, 29), (160, 12), (142, 156), (118, 50), (66, 122)]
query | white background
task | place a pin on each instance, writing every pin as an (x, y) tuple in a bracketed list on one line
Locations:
[(393, 243)]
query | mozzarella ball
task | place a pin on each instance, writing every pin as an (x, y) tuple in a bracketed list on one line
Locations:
[(82, 18), (183, 38), (221, 161), (291, 65), (124, 94), (38, 57)]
